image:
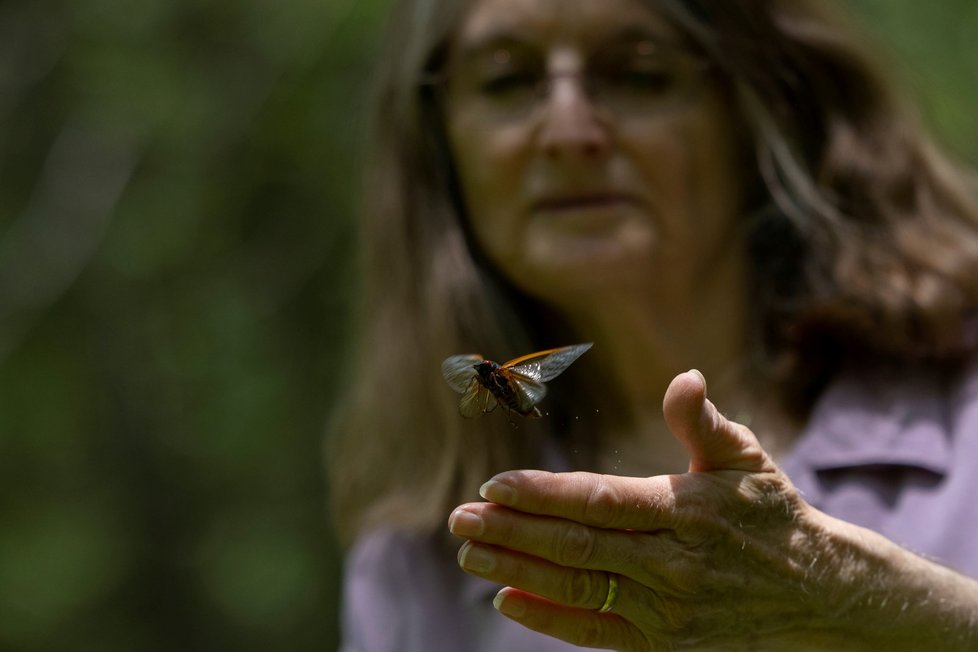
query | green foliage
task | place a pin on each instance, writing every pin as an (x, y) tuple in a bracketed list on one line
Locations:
[(931, 47), (176, 214), (176, 211)]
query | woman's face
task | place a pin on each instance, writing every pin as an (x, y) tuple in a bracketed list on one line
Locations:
[(593, 150)]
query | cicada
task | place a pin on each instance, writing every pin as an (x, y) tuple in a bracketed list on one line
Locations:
[(517, 385)]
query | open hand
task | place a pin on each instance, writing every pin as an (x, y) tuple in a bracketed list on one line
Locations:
[(725, 556)]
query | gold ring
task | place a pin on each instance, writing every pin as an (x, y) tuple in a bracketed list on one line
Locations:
[(609, 602)]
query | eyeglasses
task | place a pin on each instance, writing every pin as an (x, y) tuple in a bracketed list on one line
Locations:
[(633, 80)]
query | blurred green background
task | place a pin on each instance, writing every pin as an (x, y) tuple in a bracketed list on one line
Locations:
[(176, 214)]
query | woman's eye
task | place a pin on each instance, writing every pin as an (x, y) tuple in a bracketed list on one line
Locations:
[(509, 83), (642, 80)]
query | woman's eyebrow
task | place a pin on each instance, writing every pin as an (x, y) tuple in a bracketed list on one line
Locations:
[(659, 38), (485, 45)]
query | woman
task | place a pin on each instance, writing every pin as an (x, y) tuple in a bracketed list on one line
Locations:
[(731, 187)]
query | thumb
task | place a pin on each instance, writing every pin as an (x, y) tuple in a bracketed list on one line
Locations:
[(714, 443)]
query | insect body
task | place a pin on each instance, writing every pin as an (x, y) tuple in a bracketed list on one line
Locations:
[(518, 384)]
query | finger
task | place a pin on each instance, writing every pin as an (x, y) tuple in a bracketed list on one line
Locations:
[(584, 628), (714, 443), (604, 501), (572, 587), (560, 541)]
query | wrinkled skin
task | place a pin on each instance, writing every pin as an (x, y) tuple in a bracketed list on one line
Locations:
[(726, 556)]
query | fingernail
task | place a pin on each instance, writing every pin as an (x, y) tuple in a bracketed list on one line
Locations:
[(499, 493), (702, 378), (465, 524), (477, 560), (512, 608)]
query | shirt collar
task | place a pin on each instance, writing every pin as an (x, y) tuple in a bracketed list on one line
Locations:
[(874, 418)]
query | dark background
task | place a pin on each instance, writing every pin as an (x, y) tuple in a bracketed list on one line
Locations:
[(176, 213)]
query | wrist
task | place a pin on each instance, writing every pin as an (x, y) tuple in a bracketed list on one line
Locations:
[(882, 596)]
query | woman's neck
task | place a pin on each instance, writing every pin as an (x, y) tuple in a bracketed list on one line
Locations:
[(644, 337), (641, 344)]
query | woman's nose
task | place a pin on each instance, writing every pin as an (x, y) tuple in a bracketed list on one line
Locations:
[(571, 123)]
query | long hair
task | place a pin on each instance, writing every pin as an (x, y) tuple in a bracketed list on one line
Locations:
[(396, 451), (864, 241), (868, 244)]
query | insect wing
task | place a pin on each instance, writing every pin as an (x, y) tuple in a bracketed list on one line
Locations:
[(525, 376), (459, 371), (528, 391), (477, 400), (546, 365)]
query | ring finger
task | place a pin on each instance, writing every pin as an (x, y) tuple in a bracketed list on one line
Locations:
[(573, 587)]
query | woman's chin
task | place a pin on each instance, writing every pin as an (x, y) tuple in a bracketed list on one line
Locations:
[(613, 253), (583, 273)]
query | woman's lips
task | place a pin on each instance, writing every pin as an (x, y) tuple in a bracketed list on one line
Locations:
[(584, 214), (582, 202)]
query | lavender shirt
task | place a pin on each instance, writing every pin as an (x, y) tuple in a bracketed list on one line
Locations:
[(897, 455)]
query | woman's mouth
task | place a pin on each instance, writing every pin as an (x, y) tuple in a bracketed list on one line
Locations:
[(577, 202)]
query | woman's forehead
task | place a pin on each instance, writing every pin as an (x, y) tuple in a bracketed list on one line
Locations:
[(579, 22)]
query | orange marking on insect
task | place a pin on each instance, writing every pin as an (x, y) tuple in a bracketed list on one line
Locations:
[(517, 385)]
